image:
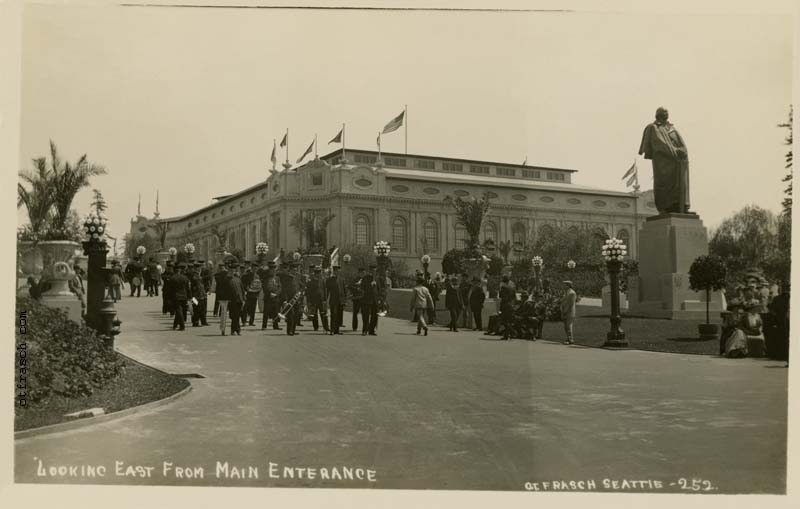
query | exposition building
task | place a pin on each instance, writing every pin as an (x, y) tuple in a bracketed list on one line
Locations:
[(400, 199)]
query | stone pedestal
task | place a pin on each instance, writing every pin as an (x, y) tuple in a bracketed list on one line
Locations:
[(668, 244)]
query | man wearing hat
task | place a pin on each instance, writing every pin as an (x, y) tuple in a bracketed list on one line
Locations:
[(237, 299), (289, 287), (476, 298), (337, 293), (198, 294), (166, 291), (369, 303), (356, 294), (568, 311), (218, 274), (181, 292), (222, 295), (116, 281), (272, 291), (316, 299)]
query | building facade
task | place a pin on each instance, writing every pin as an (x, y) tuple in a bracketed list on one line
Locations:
[(400, 199)]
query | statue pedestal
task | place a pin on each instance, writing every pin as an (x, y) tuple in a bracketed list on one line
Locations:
[(668, 244)]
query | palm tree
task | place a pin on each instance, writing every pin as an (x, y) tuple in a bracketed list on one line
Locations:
[(471, 213), (68, 180), (39, 199)]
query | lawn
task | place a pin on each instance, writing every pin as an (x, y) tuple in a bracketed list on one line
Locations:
[(136, 385), (660, 335)]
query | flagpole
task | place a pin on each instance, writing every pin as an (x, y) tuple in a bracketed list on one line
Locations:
[(315, 146), (379, 146), (274, 159), (406, 123), (287, 149), (344, 150)]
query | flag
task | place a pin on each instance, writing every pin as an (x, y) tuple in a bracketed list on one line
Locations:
[(634, 180), (632, 170), (525, 162), (395, 123), (335, 258), (308, 150), (378, 141), (337, 138), (285, 140), (274, 158)]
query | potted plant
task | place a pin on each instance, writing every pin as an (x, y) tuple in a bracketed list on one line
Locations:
[(707, 273)]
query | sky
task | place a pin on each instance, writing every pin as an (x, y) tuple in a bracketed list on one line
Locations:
[(189, 101)]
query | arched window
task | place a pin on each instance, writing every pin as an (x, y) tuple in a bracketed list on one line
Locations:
[(518, 235), (361, 230), (431, 230), (625, 237), (489, 231), (399, 234), (461, 236)]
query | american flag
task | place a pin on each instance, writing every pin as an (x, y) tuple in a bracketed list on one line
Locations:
[(395, 123)]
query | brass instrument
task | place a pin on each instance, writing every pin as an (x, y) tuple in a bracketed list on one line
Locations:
[(297, 297)]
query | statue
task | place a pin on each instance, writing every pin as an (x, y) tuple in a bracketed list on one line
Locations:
[(664, 146)]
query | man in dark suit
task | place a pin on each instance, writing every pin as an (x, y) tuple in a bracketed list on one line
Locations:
[(357, 293), (369, 304), (316, 299), (289, 286), (222, 296), (199, 294), (247, 278), (181, 292), (476, 298), (237, 299), (336, 291), (272, 292)]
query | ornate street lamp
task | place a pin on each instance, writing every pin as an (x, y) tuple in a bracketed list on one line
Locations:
[(346, 259), (172, 253), (426, 261), (571, 264), (100, 313), (261, 252), (382, 250), (614, 250), (538, 264)]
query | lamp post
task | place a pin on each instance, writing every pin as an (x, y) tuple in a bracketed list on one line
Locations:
[(189, 250), (261, 252), (100, 311), (538, 264), (614, 250), (426, 261), (382, 250), (346, 259)]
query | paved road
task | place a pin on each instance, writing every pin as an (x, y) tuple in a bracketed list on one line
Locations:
[(447, 411)]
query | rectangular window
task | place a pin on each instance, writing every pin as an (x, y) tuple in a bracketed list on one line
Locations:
[(555, 176), (475, 168), (362, 158), (396, 161), (454, 167), (506, 172), (424, 164), (316, 180), (532, 174)]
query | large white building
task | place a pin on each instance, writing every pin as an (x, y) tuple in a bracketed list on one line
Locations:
[(401, 200)]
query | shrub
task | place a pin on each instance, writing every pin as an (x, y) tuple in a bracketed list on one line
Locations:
[(707, 273), (63, 357)]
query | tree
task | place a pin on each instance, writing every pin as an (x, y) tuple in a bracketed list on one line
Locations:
[(99, 203), (707, 273), (68, 180), (787, 201), (471, 212), (745, 240), (311, 226), (453, 261), (38, 197)]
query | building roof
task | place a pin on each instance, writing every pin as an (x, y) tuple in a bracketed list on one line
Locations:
[(445, 158), (489, 180)]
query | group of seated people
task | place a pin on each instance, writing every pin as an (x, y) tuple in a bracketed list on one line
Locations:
[(756, 323), (527, 320)]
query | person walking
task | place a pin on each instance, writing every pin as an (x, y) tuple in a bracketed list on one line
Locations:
[(253, 291), (167, 301), (237, 299), (181, 291), (568, 311), (465, 289), (222, 296), (369, 305), (272, 290), (336, 294), (356, 295), (435, 287), (116, 281), (508, 297), (453, 302), (540, 313), (217, 276), (199, 295), (316, 300), (421, 301), (476, 299)]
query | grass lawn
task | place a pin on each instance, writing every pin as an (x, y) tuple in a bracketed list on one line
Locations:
[(136, 385), (660, 335)]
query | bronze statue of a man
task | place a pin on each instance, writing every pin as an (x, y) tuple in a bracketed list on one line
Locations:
[(664, 146)]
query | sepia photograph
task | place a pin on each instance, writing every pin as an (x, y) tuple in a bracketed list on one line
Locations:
[(465, 247)]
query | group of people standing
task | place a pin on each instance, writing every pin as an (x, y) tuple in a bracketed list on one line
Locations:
[(137, 273)]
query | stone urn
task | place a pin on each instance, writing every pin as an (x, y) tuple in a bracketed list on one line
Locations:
[(58, 258), (30, 258)]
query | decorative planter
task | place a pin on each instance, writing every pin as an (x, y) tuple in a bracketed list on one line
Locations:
[(30, 258), (58, 257), (708, 331)]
